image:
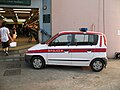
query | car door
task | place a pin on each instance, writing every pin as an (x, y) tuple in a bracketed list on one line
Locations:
[(59, 50), (83, 49)]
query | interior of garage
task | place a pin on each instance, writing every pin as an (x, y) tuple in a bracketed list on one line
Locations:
[(25, 21)]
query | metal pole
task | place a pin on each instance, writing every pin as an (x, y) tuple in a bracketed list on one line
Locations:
[(40, 20), (103, 16)]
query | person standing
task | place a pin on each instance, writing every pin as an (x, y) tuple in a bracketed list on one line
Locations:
[(14, 34), (5, 36)]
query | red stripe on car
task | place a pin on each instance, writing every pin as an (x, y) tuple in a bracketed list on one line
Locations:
[(69, 50), (37, 51)]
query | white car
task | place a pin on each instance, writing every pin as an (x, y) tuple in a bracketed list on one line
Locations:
[(71, 48)]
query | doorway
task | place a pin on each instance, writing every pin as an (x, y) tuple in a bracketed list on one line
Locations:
[(25, 21)]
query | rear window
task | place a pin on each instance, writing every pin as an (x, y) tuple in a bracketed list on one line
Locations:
[(86, 39)]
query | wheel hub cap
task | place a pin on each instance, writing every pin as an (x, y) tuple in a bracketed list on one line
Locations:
[(97, 65), (37, 63)]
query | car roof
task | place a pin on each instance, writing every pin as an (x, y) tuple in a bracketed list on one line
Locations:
[(80, 32)]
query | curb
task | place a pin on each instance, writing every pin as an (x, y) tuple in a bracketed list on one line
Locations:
[(12, 59), (14, 56)]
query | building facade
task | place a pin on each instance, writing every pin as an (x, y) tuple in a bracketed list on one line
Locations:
[(97, 15)]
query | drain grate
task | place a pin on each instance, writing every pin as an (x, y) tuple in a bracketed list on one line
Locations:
[(13, 65), (12, 72)]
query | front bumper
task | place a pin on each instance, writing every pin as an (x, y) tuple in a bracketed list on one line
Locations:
[(28, 58)]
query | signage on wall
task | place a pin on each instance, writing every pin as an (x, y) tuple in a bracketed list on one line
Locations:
[(15, 2), (46, 18)]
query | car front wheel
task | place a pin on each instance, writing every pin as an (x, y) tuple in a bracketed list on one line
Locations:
[(97, 65), (37, 62)]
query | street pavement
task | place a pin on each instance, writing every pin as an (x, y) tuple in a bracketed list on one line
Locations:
[(17, 75)]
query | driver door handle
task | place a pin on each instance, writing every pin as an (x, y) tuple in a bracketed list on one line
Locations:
[(89, 51), (66, 51)]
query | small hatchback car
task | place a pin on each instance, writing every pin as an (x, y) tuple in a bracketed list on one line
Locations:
[(72, 48)]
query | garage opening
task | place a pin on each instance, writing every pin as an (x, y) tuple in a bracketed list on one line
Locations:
[(24, 22)]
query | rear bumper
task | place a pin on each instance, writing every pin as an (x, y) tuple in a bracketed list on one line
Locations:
[(105, 61)]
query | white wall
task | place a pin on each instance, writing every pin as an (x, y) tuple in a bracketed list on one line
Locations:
[(74, 14), (112, 21)]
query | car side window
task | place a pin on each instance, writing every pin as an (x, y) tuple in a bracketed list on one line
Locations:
[(86, 39), (62, 40)]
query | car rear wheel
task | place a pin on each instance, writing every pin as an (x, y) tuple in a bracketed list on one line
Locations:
[(38, 62), (97, 65)]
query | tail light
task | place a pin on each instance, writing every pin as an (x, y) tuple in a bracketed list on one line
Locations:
[(105, 40), (100, 41)]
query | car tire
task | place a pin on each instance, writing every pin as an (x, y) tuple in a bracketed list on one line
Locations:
[(97, 65), (37, 62)]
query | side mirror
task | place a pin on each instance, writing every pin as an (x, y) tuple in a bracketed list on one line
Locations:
[(52, 44)]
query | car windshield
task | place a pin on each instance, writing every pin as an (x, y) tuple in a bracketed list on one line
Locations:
[(49, 39)]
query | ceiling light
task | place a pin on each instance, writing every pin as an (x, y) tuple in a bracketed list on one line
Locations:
[(32, 14), (2, 16), (21, 12), (22, 9), (8, 20), (16, 16), (2, 11), (21, 20), (1, 8)]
